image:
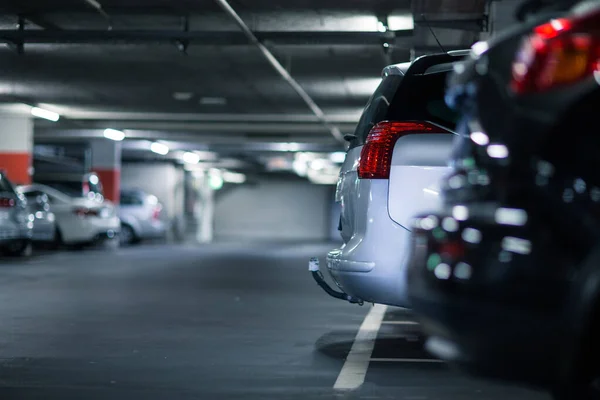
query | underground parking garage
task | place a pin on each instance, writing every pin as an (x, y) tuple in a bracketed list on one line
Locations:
[(233, 198)]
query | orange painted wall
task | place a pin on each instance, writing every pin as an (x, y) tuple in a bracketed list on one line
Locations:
[(16, 166), (111, 182)]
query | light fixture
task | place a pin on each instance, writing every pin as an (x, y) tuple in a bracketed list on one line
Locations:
[(497, 151), (337, 157), (233, 177), (114, 134), (190, 158), (318, 164), (183, 96), (46, 114), (213, 101), (215, 182), (480, 138), (400, 22), (159, 148), (289, 146)]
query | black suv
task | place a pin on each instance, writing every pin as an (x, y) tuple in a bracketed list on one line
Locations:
[(506, 280)]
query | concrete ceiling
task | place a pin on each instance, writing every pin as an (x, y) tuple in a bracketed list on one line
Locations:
[(124, 66)]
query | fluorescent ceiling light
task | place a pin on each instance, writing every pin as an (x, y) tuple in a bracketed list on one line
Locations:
[(114, 134), (183, 96), (318, 164), (401, 22), (191, 158), (289, 146), (497, 151), (213, 101), (46, 114), (233, 177), (159, 148), (337, 157)]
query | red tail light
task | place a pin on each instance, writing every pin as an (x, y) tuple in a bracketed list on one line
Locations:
[(85, 212), (562, 51), (7, 203), (454, 250), (156, 213), (376, 155)]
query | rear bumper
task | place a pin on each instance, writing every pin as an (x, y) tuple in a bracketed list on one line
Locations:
[(382, 279), (489, 340), (152, 230), (88, 230), (482, 302)]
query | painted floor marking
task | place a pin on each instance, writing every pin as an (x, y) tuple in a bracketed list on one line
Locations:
[(353, 373), (407, 360)]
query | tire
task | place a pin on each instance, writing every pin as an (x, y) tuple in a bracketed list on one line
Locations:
[(58, 240), (584, 381), (127, 235), (19, 248)]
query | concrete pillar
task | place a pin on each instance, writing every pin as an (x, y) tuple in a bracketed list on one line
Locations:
[(106, 162), (16, 147), (205, 210)]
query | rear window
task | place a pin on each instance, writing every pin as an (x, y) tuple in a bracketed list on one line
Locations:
[(73, 188), (377, 108), (422, 98), (412, 97), (131, 199), (5, 185)]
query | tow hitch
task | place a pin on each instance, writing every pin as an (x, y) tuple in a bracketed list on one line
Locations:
[(313, 267)]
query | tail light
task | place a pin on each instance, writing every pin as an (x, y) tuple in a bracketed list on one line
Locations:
[(562, 51), (376, 155), (7, 203), (85, 212), (156, 213)]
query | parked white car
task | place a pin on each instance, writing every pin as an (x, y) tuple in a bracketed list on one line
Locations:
[(79, 220), (16, 225), (141, 216), (396, 158)]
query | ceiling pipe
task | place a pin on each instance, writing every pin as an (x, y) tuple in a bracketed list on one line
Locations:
[(335, 131), (98, 7)]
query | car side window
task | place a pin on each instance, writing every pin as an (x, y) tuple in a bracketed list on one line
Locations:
[(128, 199)]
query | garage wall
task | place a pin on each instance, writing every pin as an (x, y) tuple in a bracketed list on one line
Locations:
[(274, 209), (165, 181)]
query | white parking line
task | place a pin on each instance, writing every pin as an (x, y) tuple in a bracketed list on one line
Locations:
[(400, 322), (407, 360), (353, 373)]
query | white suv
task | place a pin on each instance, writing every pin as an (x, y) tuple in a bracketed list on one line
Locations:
[(396, 158)]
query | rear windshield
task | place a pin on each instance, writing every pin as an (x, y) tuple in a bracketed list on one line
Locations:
[(131, 199), (73, 188), (5, 185), (422, 98), (414, 97), (377, 108)]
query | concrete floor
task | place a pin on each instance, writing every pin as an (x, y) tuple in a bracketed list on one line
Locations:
[(199, 322)]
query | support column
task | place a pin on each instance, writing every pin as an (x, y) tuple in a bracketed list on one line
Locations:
[(106, 162), (16, 147), (205, 210)]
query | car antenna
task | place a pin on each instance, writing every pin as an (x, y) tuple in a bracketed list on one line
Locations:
[(433, 33)]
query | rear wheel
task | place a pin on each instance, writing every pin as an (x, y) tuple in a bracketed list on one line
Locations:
[(585, 376), (19, 248), (127, 235)]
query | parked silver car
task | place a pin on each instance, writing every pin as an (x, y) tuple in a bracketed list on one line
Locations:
[(16, 225), (140, 214), (44, 220)]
